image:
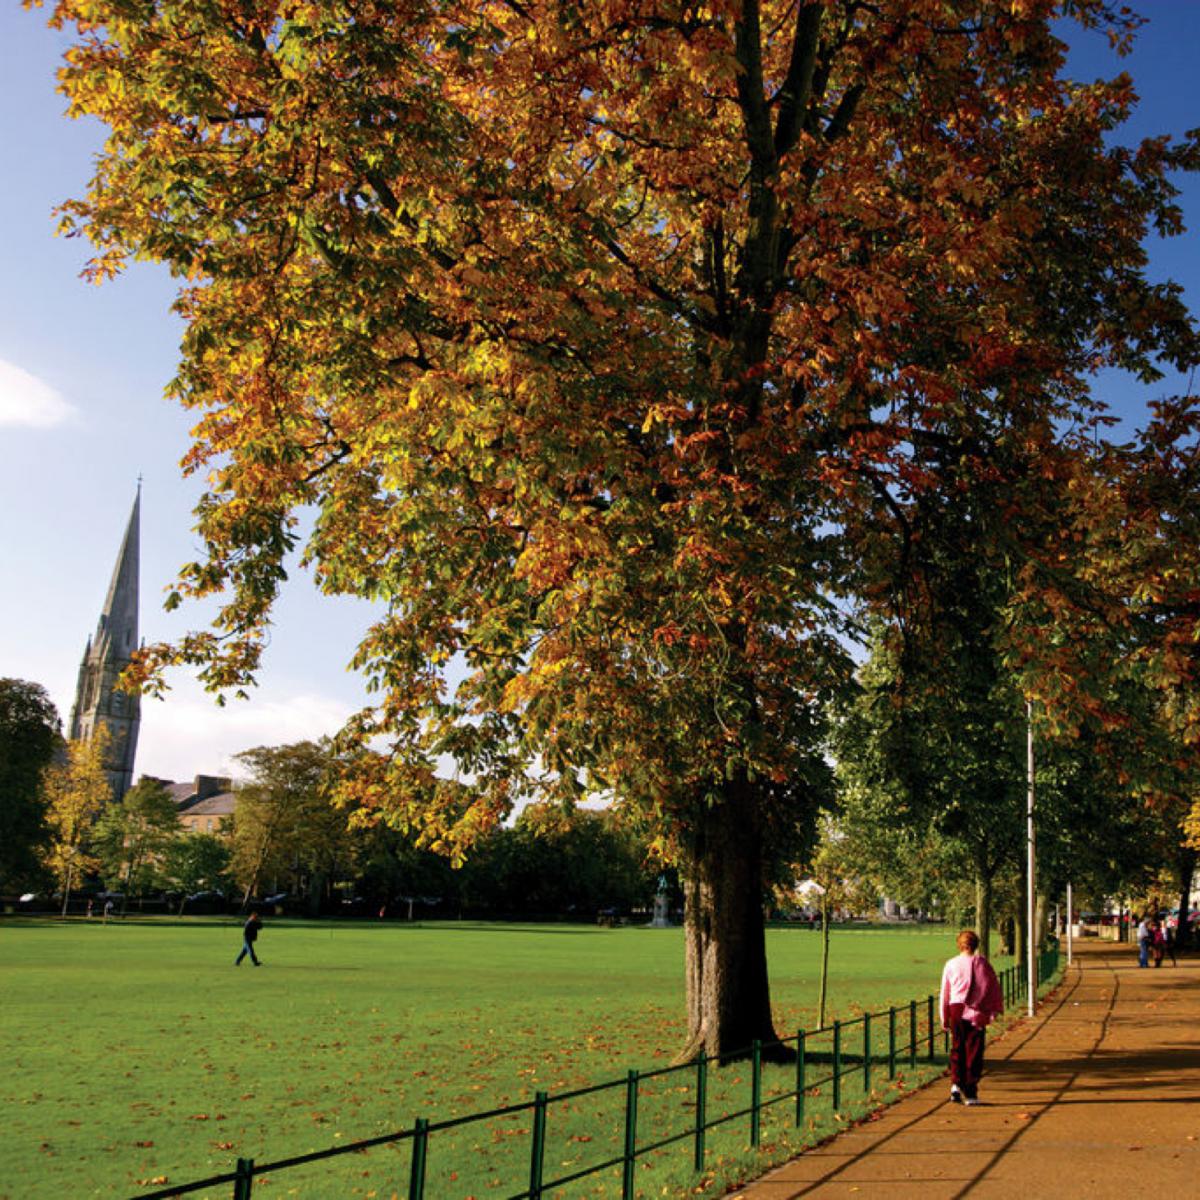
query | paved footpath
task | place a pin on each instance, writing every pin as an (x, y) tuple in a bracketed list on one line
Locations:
[(1097, 1096)]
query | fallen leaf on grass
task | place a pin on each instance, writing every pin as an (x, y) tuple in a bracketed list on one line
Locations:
[(152, 1179), (144, 1145), (223, 1145)]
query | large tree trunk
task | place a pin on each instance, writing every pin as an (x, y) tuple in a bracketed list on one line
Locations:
[(824, 993), (1008, 937), (1041, 907), (1185, 868), (728, 997), (983, 912)]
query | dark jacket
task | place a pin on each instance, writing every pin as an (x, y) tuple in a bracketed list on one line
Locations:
[(251, 928)]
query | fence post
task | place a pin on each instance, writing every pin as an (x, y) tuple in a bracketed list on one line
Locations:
[(929, 1009), (245, 1179), (755, 1091), (837, 1065), (537, 1148), (912, 1033), (892, 1042), (416, 1180), (799, 1078), (631, 1099), (866, 1052), (701, 1110)]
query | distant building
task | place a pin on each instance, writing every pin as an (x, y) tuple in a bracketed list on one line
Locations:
[(202, 804), (108, 652)]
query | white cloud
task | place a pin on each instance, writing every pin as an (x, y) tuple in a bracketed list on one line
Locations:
[(26, 400), (188, 735)]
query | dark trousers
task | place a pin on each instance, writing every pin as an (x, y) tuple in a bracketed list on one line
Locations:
[(966, 1056), (247, 948)]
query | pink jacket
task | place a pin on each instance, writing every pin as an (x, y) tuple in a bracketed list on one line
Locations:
[(971, 990)]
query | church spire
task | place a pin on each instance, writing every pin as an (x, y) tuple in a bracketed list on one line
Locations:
[(119, 617), (97, 698)]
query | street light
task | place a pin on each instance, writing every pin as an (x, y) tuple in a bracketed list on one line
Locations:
[(1030, 949)]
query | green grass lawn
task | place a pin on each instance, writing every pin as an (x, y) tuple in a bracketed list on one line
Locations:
[(135, 1050)]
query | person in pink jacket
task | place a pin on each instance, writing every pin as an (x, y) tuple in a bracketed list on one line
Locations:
[(971, 997)]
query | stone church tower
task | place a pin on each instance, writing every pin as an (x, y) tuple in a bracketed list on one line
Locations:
[(97, 701)]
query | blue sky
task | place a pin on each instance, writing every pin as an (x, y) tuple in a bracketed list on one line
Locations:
[(82, 373)]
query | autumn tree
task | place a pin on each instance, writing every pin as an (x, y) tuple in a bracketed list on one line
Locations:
[(30, 732), (285, 821), (133, 836), (1109, 650), (76, 791), (605, 340)]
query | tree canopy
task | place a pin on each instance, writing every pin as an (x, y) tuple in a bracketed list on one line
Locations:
[(30, 732), (132, 838), (614, 345)]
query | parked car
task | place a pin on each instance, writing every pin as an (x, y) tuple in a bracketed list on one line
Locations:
[(209, 901)]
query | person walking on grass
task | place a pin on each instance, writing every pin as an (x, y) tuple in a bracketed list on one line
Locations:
[(971, 998), (249, 937)]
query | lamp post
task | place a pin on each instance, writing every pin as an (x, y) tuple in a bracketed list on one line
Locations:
[(1030, 935)]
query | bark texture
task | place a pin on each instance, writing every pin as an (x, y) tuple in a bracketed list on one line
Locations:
[(1185, 868), (983, 912), (728, 995)]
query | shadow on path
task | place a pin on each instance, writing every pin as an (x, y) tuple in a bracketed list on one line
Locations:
[(1051, 1124)]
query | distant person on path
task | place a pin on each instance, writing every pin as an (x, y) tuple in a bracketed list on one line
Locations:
[(108, 907), (1160, 945), (249, 937), (1145, 939), (971, 997)]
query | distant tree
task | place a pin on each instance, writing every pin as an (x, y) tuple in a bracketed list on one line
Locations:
[(76, 792), (30, 732), (286, 823), (133, 836), (836, 879), (392, 867), (565, 861), (194, 862), (934, 745)]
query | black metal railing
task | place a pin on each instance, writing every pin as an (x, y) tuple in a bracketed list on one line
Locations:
[(912, 1036)]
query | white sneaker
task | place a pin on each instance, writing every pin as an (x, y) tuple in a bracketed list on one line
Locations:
[(971, 1101), (956, 1097)]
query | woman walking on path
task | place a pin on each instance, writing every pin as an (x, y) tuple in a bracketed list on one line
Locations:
[(971, 997), (1145, 939)]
